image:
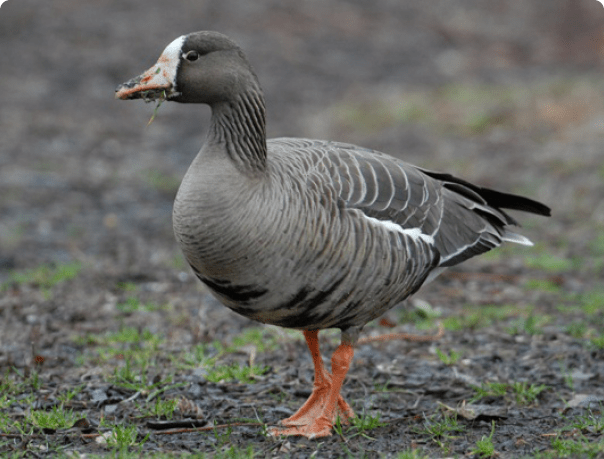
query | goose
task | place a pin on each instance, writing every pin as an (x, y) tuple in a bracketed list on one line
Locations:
[(309, 234)]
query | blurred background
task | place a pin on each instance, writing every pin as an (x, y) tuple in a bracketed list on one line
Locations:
[(506, 93)]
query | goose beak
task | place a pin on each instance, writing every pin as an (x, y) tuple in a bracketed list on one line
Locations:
[(154, 84), (159, 82)]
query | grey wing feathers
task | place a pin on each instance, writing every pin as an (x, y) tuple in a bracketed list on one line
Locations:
[(464, 220), (384, 189)]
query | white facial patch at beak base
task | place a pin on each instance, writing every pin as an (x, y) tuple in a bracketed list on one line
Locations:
[(164, 71)]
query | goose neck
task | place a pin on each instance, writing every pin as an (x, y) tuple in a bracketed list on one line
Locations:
[(239, 126)]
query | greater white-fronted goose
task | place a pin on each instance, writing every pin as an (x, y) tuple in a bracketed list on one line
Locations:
[(309, 234)]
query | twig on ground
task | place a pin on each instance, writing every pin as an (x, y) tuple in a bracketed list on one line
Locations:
[(405, 337)]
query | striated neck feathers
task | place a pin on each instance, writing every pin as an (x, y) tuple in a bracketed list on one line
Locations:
[(239, 125)]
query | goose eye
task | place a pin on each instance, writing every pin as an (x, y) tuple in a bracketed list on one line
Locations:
[(192, 56)]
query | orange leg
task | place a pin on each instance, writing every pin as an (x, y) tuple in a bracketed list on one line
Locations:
[(316, 417), (313, 406)]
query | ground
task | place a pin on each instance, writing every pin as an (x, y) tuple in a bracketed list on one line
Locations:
[(102, 323)]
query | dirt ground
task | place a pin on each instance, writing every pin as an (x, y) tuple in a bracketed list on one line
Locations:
[(507, 94)]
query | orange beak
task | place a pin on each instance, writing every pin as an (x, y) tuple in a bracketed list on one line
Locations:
[(159, 82)]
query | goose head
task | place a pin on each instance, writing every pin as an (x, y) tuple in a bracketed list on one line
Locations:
[(201, 67)]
